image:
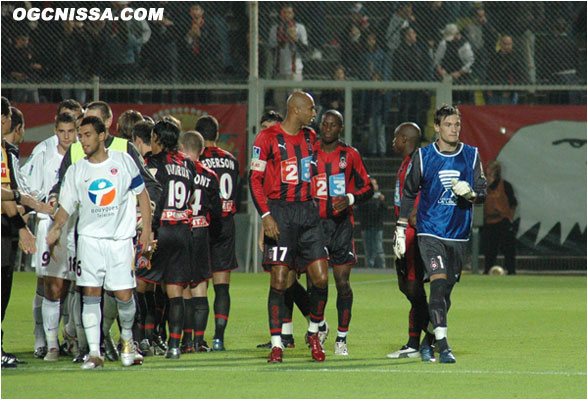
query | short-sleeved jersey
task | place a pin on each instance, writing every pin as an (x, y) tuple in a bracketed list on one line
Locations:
[(175, 172), (280, 166), (226, 167), (441, 213), (42, 169), (336, 174), (207, 200), (105, 193)]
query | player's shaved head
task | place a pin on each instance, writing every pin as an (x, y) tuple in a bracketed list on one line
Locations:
[(298, 100), (410, 130)]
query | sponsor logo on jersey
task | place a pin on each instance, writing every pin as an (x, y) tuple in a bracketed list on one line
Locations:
[(102, 192), (448, 198), (256, 152), (289, 171)]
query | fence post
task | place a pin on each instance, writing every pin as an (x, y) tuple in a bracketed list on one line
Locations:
[(444, 92), (348, 114), (96, 88)]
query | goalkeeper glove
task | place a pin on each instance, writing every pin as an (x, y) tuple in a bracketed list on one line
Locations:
[(463, 189), (400, 239)]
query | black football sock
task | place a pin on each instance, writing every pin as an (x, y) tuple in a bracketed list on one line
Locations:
[(139, 326), (275, 308), (161, 309), (301, 297), (149, 326), (175, 320), (418, 319), (188, 320), (222, 304), (438, 311), (344, 304), (318, 301), (201, 311)]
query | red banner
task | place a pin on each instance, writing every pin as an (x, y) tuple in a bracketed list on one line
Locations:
[(232, 119), (542, 151)]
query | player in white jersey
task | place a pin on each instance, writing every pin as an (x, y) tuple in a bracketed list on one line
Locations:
[(55, 275), (34, 173), (103, 186)]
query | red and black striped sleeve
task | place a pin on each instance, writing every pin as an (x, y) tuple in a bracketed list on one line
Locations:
[(261, 154), (362, 187)]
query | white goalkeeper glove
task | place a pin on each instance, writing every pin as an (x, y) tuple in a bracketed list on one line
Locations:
[(463, 189), (400, 239)]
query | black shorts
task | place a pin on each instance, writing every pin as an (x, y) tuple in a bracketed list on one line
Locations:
[(443, 257), (301, 238), (222, 244), (411, 267), (171, 261), (338, 234), (200, 256)]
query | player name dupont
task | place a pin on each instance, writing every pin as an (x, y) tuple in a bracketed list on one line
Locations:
[(87, 14)]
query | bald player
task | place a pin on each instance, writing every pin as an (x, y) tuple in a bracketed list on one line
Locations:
[(410, 269), (280, 186)]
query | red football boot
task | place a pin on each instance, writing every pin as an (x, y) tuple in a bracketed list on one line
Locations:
[(275, 355), (318, 354)]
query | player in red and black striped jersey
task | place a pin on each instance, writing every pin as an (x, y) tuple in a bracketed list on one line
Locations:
[(279, 181), (339, 180), (172, 222), (207, 209), (222, 231), (410, 269)]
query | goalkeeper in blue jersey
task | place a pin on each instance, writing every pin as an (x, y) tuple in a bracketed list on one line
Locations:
[(450, 178)]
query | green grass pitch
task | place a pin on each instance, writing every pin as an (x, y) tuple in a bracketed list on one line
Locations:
[(513, 337)]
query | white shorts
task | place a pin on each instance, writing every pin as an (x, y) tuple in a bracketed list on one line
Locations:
[(42, 261), (105, 263)]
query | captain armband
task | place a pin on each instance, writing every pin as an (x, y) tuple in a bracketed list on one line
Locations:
[(258, 165)]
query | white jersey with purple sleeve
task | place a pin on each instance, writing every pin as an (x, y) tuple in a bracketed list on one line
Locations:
[(105, 194)]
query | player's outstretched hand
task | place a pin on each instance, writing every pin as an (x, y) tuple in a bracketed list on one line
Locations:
[(270, 227), (463, 189), (38, 206), (400, 239)]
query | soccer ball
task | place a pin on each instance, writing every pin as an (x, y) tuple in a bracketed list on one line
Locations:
[(497, 270)]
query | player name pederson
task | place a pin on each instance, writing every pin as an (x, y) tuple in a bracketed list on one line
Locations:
[(219, 163)]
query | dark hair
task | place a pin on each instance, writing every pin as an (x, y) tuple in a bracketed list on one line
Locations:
[(70, 104), (5, 106), (207, 126), (16, 118), (192, 141), (474, 10), (96, 122), (126, 122), (65, 118), (104, 108), (404, 31), (142, 129), (335, 114), (271, 116), (445, 111), (168, 134)]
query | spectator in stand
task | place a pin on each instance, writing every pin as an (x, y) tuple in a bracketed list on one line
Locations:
[(431, 17), (373, 102), (352, 39), (482, 36), (96, 51), (402, 18), (206, 44), (289, 40), (411, 63), (334, 99), (557, 60), (72, 44), (506, 69), (498, 231), (454, 55), (371, 215), (22, 67), (123, 44)]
